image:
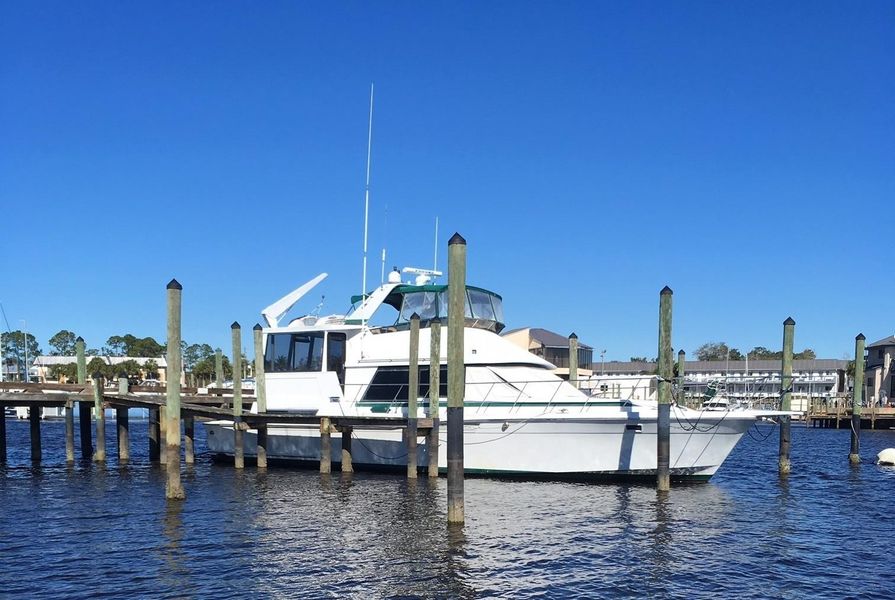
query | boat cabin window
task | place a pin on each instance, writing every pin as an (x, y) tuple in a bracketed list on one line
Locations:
[(391, 383), (294, 352), (335, 355), (482, 309)]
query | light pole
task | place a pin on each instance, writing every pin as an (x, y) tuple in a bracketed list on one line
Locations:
[(603, 363)]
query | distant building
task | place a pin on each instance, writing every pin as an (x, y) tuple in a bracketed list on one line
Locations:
[(554, 348), (40, 368), (878, 371), (754, 381)]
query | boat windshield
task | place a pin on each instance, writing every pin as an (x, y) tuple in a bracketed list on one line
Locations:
[(484, 309)]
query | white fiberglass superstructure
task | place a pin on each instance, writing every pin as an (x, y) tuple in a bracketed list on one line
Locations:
[(520, 418)]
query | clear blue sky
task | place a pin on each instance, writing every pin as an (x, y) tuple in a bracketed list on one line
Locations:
[(742, 153)]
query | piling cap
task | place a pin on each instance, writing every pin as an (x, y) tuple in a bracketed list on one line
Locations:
[(174, 285), (414, 317), (80, 340), (789, 321), (666, 290), (235, 325), (681, 352), (860, 337), (97, 375), (456, 239), (257, 327), (572, 336)]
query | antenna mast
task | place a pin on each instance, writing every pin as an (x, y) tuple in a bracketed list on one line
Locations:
[(435, 266), (363, 290)]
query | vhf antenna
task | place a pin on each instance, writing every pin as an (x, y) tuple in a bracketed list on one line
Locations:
[(363, 290)]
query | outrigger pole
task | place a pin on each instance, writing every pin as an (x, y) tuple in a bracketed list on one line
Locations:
[(363, 290)]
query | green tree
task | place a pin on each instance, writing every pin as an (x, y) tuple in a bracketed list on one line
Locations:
[(150, 367), (204, 369), (762, 353), (194, 353), (68, 372), (16, 346), (145, 347), (806, 354), (717, 351), (130, 368), (63, 343), (639, 359), (98, 365)]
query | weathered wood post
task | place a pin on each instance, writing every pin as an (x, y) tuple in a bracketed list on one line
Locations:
[(681, 359), (784, 465), (189, 439), (573, 360), (347, 458), (162, 435), (261, 395), (69, 431), (456, 376), (434, 393), (326, 448), (238, 433), (413, 393), (3, 436), (854, 455), (666, 375), (155, 434), (99, 454), (122, 423), (83, 406), (173, 488), (34, 421), (218, 368)]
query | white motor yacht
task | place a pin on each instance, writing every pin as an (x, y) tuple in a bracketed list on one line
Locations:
[(521, 419)]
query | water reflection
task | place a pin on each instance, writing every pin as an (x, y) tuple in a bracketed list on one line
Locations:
[(175, 572)]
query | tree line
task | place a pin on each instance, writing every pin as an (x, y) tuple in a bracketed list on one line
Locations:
[(198, 359), (721, 351)]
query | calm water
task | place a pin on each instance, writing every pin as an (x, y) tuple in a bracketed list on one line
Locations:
[(84, 531)]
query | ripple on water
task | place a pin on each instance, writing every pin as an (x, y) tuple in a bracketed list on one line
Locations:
[(84, 531)]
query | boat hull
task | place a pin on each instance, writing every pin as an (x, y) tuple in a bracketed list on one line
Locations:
[(551, 448)]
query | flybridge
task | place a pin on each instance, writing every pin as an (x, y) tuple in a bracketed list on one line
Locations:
[(484, 309)]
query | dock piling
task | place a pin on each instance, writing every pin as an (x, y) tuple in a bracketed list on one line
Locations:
[(174, 487), (69, 431), (573, 360), (3, 437), (83, 407), (854, 456), (238, 433), (155, 434), (347, 459), (666, 375), (326, 448), (783, 463), (189, 439), (122, 423), (434, 394), (99, 454), (413, 387), (456, 377), (34, 421), (260, 395), (218, 368), (681, 359)]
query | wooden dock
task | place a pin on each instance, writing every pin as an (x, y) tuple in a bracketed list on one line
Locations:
[(214, 404), (837, 414)]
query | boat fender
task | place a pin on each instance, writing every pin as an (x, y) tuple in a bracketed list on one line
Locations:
[(886, 457)]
